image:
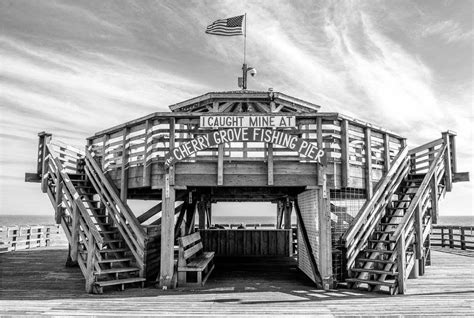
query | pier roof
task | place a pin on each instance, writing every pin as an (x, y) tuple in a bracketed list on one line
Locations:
[(245, 101)]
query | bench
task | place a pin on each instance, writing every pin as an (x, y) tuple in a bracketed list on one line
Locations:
[(191, 258)]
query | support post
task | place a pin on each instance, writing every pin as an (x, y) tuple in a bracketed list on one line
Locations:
[(401, 263), (270, 163), (320, 144), (74, 245), (368, 163), (202, 214), (288, 209), (220, 164), (167, 236), (90, 278), (190, 214), (279, 214), (451, 238), (325, 242)]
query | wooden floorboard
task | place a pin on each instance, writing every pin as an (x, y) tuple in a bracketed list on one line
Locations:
[(35, 282)]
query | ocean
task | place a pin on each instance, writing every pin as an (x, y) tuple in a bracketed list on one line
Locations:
[(7, 220)]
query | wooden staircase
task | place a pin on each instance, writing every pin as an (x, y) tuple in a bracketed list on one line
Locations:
[(105, 239), (389, 239)]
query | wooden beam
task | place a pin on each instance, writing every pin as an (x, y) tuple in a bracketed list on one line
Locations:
[(146, 162), (58, 204), (312, 259), (179, 221), (270, 163), (190, 217), (150, 213), (434, 198), (344, 153), (124, 171), (386, 152), (461, 177), (368, 163), (167, 238)]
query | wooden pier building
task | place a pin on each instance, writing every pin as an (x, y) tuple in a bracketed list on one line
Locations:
[(364, 202)]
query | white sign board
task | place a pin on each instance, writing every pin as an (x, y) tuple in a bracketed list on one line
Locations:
[(258, 121)]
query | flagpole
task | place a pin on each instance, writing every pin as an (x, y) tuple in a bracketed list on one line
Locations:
[(245, 36), (244, 66)]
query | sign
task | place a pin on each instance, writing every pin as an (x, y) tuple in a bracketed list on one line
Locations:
[(248, 121), (242, 134)]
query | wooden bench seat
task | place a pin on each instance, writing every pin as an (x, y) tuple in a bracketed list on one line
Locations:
[(191, 258)]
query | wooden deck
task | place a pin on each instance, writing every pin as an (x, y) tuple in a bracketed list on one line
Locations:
[(35, 282)]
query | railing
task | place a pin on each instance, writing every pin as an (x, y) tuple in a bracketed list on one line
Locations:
[(355, 239), (72, 213), (123, 218), (453, 236), (346, 142), (432, 161), (13, 238)]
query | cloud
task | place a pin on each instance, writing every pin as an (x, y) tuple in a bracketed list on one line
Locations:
[(449, 31)]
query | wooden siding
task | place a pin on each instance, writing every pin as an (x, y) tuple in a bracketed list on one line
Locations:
[(253, 242)]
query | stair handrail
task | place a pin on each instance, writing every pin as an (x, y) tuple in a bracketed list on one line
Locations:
[(61, 171), (370, 209), (439, 158), (134, 235)]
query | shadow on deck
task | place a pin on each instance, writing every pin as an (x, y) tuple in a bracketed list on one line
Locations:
[(265, 286)]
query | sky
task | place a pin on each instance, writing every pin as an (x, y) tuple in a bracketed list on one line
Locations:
[(73, 68)]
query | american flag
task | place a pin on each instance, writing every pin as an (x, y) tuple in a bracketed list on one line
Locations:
[(226, 27)]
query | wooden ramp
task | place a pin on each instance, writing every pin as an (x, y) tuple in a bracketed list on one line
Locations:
[(34, 282)]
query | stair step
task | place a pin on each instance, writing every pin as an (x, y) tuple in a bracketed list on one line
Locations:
[(120, 281), (112, 240), (375, 271), (403, 200), (109, 232), (115, 260), (375, 260), (114, 250), (370, 282), (410, 187), (384, 232), (389, 224), (381, 241), (117, 270), (395, 209), (405, 193), (369, 250)]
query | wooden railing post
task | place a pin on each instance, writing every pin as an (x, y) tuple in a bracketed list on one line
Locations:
[(451, 237), (344, 153), (463, 238), (43, 152), (401, 263), (125, 166), (442, 237), (59, 199), (447, 162), (368, 164)]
